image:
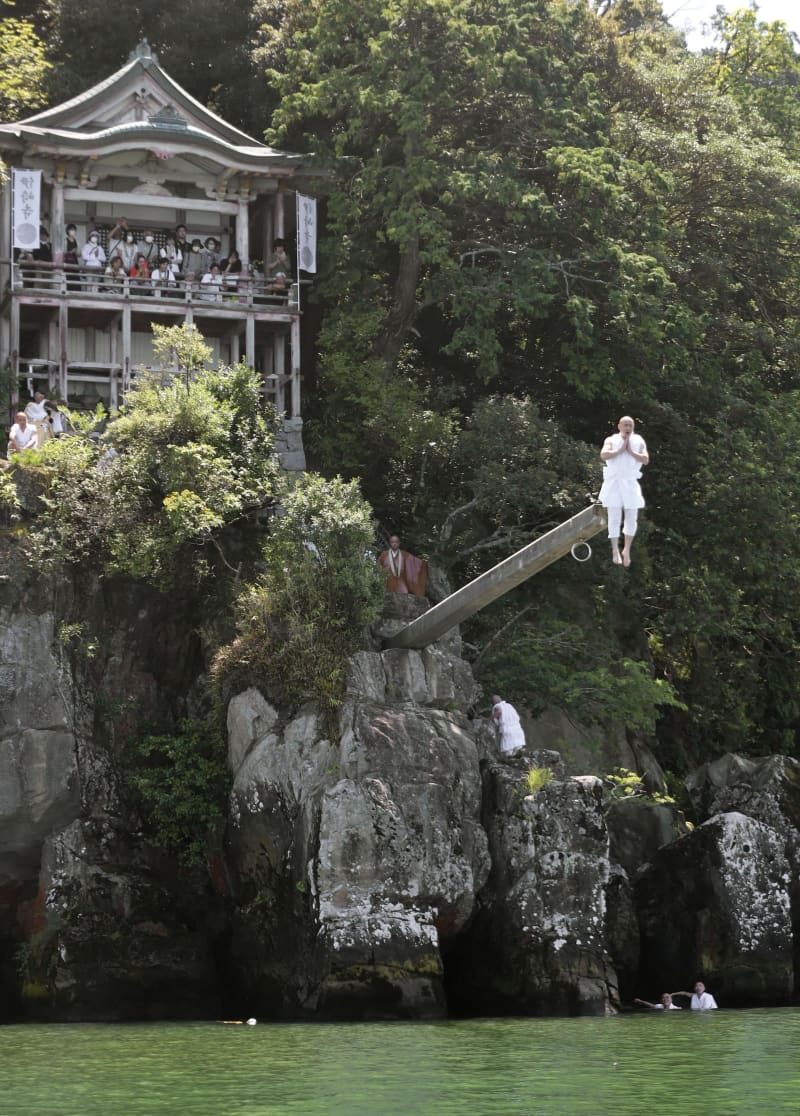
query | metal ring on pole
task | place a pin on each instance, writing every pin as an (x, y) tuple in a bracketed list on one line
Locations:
[(586, 557)]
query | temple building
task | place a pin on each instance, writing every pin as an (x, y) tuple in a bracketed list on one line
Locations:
[(137, 146)]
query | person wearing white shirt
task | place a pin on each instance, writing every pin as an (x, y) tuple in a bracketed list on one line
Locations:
[(22, 435), (623, 455), (666, 1003), (505, 716), (211, 285), (36, 413), (701, 1000)]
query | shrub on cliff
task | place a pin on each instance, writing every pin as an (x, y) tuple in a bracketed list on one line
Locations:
[(320, 588), (186, 456)]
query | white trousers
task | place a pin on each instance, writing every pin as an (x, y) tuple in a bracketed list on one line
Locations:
[(615, 522)]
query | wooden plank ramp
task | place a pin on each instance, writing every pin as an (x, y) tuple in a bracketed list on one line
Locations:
[(506, 575)]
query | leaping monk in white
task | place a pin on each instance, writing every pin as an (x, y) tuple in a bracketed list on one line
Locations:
[(624, 455)]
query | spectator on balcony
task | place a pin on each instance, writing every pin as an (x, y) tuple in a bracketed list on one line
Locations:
[(279, 269), (147, 248), (116, 238), (44, 253), (22, 435), (209, 255), (93, 257), (72, 251), (231, 269), (173, 253), (181, 243), (191, 261), (211, 285), (127, 252), (140, 276), (114, 274), (164, 274)]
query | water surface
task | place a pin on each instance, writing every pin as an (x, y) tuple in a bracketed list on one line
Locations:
[(716, 1064)]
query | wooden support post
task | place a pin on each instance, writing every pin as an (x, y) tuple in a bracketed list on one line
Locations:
[(295, 366), (250, 340), (280, 218), (52, 354), (243, 233), (57, 230), (279, 368), (506, 575), (63, 335), (126, 349), (234, 347)]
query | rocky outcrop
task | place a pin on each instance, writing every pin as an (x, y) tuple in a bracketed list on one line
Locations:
[(715, 905), (538, 942), (355, 857)]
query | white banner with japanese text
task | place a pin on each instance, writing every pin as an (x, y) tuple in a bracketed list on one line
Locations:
[(307, 233), (27, 193)]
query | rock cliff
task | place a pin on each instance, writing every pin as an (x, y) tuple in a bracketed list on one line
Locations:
[(387, 865)]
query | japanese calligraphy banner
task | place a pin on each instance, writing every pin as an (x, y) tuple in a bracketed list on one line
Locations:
[(307, 233), (27, 191)]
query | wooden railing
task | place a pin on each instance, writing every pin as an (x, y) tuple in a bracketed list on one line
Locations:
[(240, 291)]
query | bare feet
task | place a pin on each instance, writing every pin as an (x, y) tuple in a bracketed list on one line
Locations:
[(626, 559), (615, 556)]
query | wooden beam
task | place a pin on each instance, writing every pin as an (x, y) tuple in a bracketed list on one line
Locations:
[(506, 575)]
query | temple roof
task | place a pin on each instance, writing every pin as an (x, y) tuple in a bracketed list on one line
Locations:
[(138, 105)]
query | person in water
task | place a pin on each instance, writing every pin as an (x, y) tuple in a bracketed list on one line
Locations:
[(666, 1003), (701, 1000)]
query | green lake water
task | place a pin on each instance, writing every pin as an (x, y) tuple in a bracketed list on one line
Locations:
[(716, 1064)]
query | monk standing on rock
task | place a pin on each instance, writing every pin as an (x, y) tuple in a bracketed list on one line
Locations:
[(404, 572)]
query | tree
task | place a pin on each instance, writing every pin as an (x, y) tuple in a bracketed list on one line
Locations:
[(184, 459), (23, 69)]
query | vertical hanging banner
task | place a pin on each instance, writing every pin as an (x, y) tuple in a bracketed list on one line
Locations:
[(307, 233), (27, 192)]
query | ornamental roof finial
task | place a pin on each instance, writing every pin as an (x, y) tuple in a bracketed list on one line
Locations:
[(143, 50)]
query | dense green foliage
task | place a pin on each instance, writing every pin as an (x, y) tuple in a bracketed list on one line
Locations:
[(23, 68), (320, 588), (186, 456), (179, 782), (538, 215)]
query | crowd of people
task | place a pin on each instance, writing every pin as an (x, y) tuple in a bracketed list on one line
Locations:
[(158, 261)]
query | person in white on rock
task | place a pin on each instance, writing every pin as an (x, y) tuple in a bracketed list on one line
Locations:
[(623, 455), (22, 435), (505, 716), (36, 412)]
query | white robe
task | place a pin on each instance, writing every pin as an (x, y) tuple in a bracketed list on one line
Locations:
[(621, 474), (511, 735)]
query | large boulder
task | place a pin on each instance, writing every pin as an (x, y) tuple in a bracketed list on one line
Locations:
[(715, 905), (766, 788), (537, 944), (115, 936), (353, 860)]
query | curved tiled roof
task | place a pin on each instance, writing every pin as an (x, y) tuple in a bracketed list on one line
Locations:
[(142, 64)]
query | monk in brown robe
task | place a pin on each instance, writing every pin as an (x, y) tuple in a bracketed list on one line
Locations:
[(404, 572)]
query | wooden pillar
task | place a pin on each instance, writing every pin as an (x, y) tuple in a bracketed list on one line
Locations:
[(279, 368), (269, 229), (234, 347), (113, 336), (57, 232), (53, 378), (250, 340), (14, 350), (295, 359), (243, 232), (280, 223), (126, 348), (63, 366)]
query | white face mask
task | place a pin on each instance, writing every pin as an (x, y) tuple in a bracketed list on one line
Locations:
[(148, 240), (129, 238), (93, 239)]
